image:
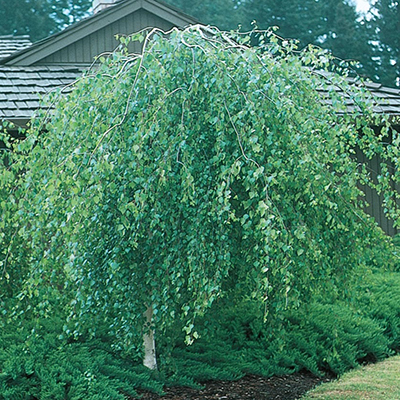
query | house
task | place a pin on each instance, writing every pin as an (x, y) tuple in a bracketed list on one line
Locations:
[(27, 71)]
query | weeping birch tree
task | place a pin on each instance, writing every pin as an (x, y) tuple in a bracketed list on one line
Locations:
[(161, 179)]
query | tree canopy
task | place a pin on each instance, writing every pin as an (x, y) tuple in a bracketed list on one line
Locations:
[(201, 166), (330, 24), (386, 24), (369, 39), (39, 18)]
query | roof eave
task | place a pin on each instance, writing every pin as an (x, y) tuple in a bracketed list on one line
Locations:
[(20, 122)]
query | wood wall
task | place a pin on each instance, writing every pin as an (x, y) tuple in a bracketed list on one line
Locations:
[(103, 40), (375, 201)]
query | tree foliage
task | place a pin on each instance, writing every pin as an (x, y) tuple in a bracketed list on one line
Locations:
[(169, 178), (385, 24), (327, 23), (39, 18), (226, 14), (371, 39), (330, 24)]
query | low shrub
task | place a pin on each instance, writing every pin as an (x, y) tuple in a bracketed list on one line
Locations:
[(37, 359), (319, 337), (379, 299), (39, 363)]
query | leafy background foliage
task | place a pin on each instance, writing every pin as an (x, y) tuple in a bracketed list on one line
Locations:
[(39, 18), (370, 39)]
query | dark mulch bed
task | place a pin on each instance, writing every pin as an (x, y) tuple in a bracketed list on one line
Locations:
[(289, 387)]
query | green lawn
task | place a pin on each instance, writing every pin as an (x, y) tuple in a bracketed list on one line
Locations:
[(373, 382)]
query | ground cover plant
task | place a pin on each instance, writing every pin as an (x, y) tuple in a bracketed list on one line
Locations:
[(199, 192)]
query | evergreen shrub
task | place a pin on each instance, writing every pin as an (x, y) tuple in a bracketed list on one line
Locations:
[(36, 360), (379, 299), (317, 337)]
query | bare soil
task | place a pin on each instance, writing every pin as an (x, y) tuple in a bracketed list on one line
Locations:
[(288, 387)]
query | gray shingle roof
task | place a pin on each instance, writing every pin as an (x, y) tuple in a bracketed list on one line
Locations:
[(385, 100), (10, 44), (22, 87)]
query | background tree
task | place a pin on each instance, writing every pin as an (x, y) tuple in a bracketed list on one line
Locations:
[(330, 24), (39, 18), (225, 14), (385, 24)]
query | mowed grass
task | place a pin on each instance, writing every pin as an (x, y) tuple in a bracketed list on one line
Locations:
[(379, 381)]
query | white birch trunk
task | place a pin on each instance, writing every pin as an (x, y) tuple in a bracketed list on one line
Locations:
[(150, 360)]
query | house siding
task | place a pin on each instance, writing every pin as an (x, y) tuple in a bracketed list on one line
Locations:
[(374, 200), (85, 50)]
